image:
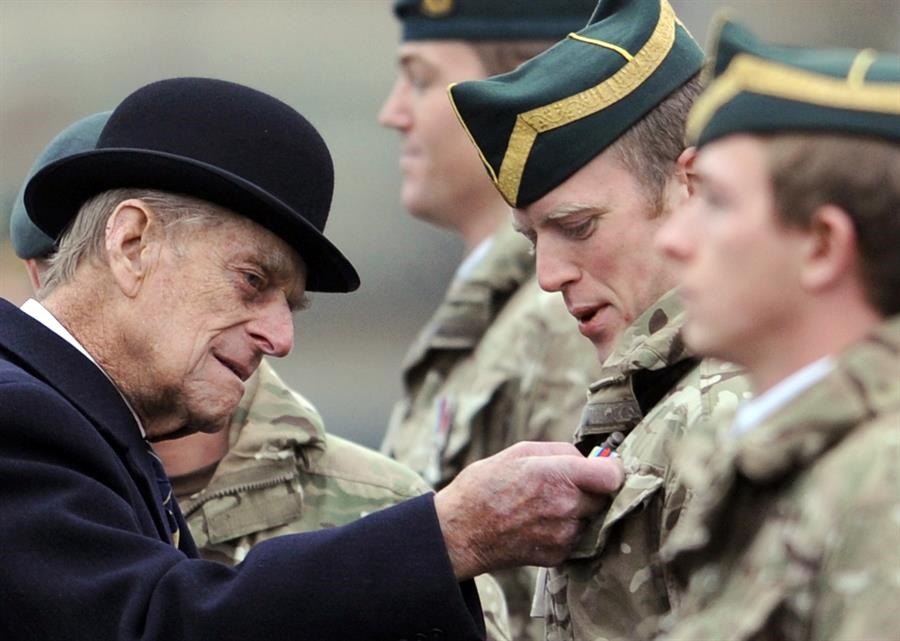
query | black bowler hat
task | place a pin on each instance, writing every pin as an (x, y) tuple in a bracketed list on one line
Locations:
[(214, 140)]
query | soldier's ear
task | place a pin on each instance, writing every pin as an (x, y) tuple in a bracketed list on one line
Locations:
[(830, 254), (684, 168)]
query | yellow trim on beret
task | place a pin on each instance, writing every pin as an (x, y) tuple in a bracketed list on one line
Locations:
[(584, 103)]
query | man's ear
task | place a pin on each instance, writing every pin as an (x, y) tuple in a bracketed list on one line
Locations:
[(34, 273), (684, 168), (130, 249), (678, 186), (830, 254)]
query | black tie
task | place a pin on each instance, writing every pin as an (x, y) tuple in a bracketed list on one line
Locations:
[(165, 491)]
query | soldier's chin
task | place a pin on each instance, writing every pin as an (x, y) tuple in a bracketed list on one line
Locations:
[(699, 341)]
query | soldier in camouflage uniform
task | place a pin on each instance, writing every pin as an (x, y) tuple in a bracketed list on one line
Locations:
[(585, 142), (274, 470), (788, 258), (498, 362)]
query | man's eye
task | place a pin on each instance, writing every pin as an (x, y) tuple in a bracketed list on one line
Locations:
[(255, 281), (580, 230)]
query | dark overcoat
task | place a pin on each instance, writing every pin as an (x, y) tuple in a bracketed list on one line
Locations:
[(84, 551)]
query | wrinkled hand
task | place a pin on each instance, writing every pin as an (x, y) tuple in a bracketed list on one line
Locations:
[(522, 506)]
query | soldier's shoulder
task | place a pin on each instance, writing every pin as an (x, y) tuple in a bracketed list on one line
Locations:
[(365, 469)]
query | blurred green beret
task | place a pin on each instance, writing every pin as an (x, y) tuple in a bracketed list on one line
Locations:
[(27, 239), (536, 126), (491, 19), (758, 87)]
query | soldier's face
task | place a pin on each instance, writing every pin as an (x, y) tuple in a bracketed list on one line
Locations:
[(738, 267), (443, 178), (216, 299), (593, 241)]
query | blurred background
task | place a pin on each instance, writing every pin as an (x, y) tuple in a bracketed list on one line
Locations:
[(333, 60)]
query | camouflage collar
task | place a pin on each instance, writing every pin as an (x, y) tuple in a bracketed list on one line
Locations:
[(472, 303), (864, 382), (650, 344), (282, 422)]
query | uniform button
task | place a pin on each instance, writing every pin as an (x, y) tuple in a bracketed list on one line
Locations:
[(437, 634)]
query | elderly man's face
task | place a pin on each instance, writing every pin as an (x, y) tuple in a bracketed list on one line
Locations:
[(593, 241), (218, 299)]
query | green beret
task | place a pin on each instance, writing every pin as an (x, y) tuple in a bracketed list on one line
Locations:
[(27, 239), (758, 87), (491, 19), (536, 126)]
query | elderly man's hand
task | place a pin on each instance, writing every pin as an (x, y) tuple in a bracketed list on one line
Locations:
[(522, 506)]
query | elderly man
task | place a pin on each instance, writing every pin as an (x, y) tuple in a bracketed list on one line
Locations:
[(198, 231), (496, 333), (585, 142), (788, 262), (274, 470)]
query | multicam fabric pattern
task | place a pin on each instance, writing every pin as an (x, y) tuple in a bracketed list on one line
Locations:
[(499, 362), (655, 392), (284, 474), (795, 529)]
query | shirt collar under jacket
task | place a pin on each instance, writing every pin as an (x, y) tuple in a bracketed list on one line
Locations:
[(752, 413)]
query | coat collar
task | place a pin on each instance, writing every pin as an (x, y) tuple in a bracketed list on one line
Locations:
[(49, 358)]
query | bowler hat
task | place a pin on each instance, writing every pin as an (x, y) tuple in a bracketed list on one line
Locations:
[(218, 141), (27, 239)]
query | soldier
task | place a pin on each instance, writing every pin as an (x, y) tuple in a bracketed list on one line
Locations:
[(585, 142), (274, 470), (788, 263), (498, 362)]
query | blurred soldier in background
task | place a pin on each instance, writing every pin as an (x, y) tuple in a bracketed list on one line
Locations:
[(274, 470), (499, 362), (787, 252), (586, 142)]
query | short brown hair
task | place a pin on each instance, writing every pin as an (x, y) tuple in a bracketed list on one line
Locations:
[(650, 147), (501, 56), (859, 174)]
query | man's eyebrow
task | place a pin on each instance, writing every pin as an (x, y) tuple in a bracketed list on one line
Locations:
[(574, 209)]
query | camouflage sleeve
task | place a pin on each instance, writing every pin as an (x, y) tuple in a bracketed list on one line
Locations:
[(859, 585), (493, 604)]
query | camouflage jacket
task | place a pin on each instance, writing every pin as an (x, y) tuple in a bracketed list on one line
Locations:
[(654, 391), (795, 529), (283, 474), (499, 362)]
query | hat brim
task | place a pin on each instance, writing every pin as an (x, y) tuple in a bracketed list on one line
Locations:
[(55, 194)]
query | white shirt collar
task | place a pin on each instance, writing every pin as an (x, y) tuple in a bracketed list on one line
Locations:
[(42, 315), (475, 256), (752, 413)]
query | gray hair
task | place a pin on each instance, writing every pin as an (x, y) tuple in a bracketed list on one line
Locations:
[(85, 238)]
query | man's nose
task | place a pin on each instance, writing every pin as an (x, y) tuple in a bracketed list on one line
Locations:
[(273, 329), (395, 113), (554, 269)]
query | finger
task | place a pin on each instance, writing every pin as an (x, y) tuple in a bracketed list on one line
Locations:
[(540, 448), (596, 475)]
